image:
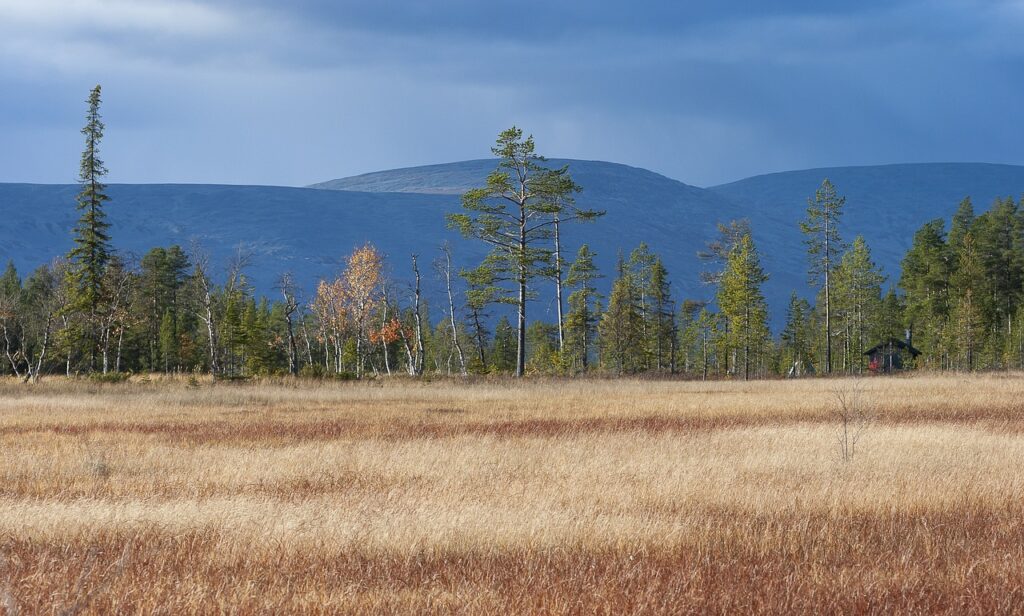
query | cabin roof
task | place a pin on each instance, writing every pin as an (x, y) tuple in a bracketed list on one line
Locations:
[(896, 342)]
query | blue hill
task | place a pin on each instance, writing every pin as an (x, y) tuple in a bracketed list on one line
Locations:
[(309, 230), (884, 203)]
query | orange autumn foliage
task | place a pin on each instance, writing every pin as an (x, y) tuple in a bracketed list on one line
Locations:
[(389, 332)]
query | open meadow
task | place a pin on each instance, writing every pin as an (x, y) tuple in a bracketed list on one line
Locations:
[(581, 497)]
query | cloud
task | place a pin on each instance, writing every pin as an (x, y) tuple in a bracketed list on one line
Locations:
[(147, 17), (271, 92)]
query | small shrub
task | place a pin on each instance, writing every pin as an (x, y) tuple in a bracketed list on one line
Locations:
[(854, 414)]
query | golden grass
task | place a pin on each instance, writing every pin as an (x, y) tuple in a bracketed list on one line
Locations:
[(550, 497)]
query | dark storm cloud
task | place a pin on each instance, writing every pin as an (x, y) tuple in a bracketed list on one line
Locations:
[(269, 92)]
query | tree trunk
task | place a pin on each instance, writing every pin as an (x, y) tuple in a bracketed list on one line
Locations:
[(746, 344), (309, 347), (480, 343), (290, 306), (35, 373), (584, 347), (451, 308), (521, 330), (410, 358), (558, 286), (673, 347), (521, 303), (105, 341), (704, 355), (211, 334), (828, 306), (418, 323), (120, 340), (359, 347), (11, 357), (383, 338)]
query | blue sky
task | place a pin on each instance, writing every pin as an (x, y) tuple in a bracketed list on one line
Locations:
[(262, 92)]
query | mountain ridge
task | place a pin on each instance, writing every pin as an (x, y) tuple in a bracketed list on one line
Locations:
[(309, 230)]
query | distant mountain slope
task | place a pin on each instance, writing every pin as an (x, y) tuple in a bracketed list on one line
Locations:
[(445, 179), (884, 203), (308, 231), (641, 206), (601, 180), (285, 229)]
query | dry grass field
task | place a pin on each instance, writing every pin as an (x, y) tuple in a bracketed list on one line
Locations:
[(578, 497)]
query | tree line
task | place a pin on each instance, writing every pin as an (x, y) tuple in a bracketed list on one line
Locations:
[(96, 311)]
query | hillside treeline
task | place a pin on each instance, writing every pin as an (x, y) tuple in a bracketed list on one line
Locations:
[(957, 302)]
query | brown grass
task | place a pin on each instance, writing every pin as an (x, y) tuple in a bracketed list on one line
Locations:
[(578, 497)]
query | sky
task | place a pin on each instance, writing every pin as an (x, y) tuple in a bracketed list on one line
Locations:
[(297, 92)]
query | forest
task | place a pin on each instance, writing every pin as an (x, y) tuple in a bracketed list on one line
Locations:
[(93, 311)]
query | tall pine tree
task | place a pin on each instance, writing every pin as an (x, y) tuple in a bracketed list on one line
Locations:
[(92, 249), (824, 246), (513, 214)]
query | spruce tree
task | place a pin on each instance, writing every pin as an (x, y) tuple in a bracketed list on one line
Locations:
[(92, 249), (858, 300), (11, 317), (796, 343), (168, 341), (707, 323), (621, 324), (891, 321), (10, 282), (641, 264), (963, 222), (742, 303), (661, 331), (481, 292), (998, 235), (689, 334), (925, 278), (503, 349), (163, 278), (542, 347), (824, 246), (969, 293), (581, 321)]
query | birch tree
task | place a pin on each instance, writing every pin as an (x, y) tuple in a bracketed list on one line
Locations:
[(444, 268), (362, 279)]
